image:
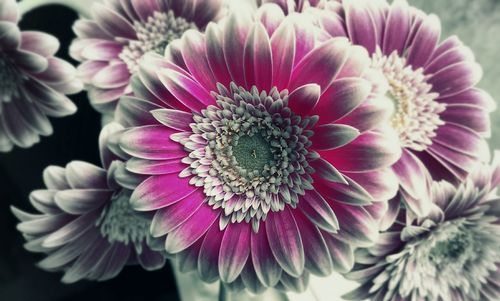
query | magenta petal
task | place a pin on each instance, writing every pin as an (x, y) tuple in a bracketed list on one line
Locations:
[(112, 76), (285, 241), (470, 116), (332, 136), (234, 38), (357, 227), (87, 29), (317, 209), (145, 8), (360, 24), (271, 17), (424, 43), (462, 139), (234, 250), (194, 52), (283, 53), (381, 184), (342, 254), (189, 232), (167, 219), (327, 171), (318, 259), (397, 28), (160, 191), (208, 258), (351, 193), (151, 142), (456, 78), (304, 99), (369, 151), (475, 97), (358, 61), (258, 59), (267, 269), (448, 58), (341, 98), (174, 119), (148, 167), (112, 22), (102, 51), (413, 177), (215, 54), (186, 90), (132, 111), (250, 279), (321, 65)]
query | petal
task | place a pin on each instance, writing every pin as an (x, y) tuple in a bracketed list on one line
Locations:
[(397, 28), (174, 119), (208, 258), (425, 42), (54, 177), (285, 241), (148, 167), (39, 42), (317, 209), (321, 65), (190, 231), (341, 98), (304, 99), (84, 175), (234, 250), (168, 218), (151, 142), (283, 53), (342, 254), (215, 54), (360, 24), (381, 184), (132, 111), (462, 139), (160, 191), (258, 64), (112, 22), (266, 267), (80, 201), (234, 38), (357, 227), (102, 51), (369, 151), (456, 78), (327, 171), (351, 193), (10, 35), (332, 136), (112, 76), (470, 116), (71, 231)]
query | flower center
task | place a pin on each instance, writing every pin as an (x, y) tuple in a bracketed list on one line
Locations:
[(154, 35), (10, 78), (120, 223), (451, 249), (416, 116), (250, 153)]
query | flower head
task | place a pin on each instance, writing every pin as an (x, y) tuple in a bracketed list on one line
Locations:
[(290, 6), (453, 254), (440, 116), (258, 172), (121, 32), (32, 82), (86, 225)]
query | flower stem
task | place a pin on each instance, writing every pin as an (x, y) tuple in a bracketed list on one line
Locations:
[(80, 7)]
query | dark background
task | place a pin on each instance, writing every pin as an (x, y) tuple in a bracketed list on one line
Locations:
[(74, 138)]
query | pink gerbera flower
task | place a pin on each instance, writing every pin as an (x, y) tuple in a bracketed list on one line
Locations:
[(32, 82), (258, 172), (86, 226), (441, 117), (121, 32)]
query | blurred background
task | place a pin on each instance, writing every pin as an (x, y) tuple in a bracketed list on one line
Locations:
[(476, 22)]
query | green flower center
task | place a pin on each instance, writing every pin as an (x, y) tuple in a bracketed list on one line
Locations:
[(452, 249), (252, 152)]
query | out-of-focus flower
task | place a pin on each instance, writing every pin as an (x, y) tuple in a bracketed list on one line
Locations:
[(454, 254), (86, 226), (290, 6), (258, 172), (121, 32), (441, 118), (32, 82)]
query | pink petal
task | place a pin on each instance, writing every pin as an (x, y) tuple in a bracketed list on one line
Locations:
[(215, 55), (39, 42), (234, 250), (174, 119), (234, 36), (208, 258), (321, 65), (332, 136), (160, 191), (266, 267), (283, 52), (381, 184), (425, 42), (189, 232), (342, 254), (360, 24), (456, 78), (112, 22), (304, 99), (112, 76), (285, 241), (357, 227), (341, 98), (397, 28), (258, 64)]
